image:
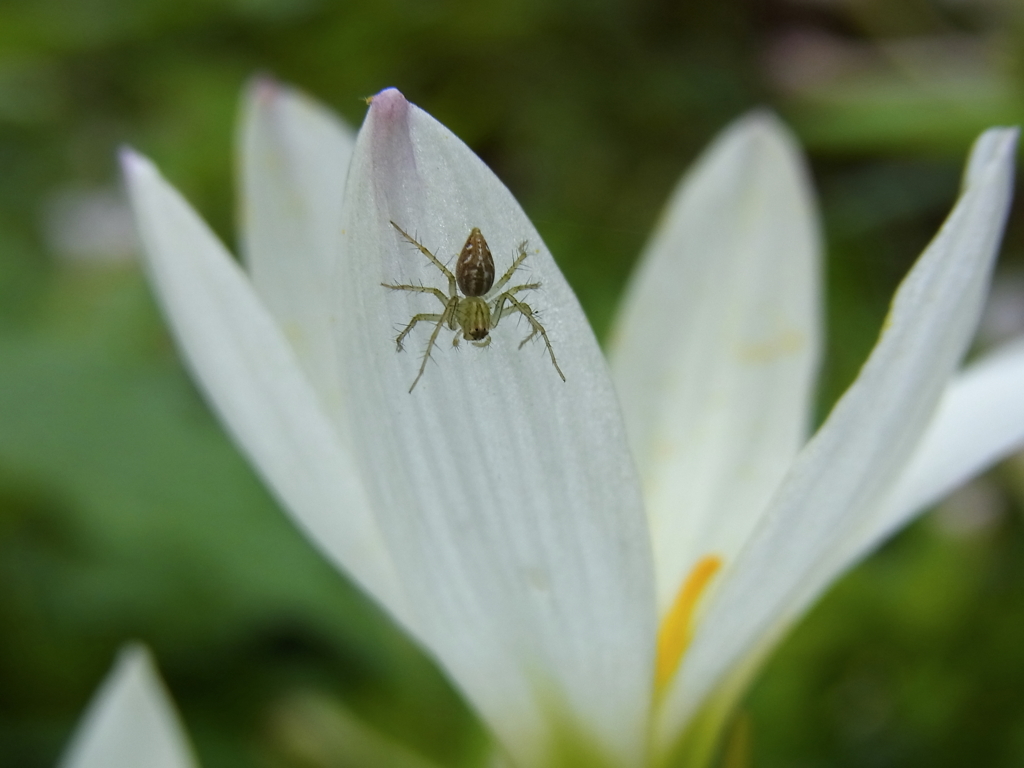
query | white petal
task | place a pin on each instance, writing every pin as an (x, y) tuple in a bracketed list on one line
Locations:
[(507, 495), (716, 351), (131, 722), (980, 420), (847, 469), (294, 158), (252, 378)]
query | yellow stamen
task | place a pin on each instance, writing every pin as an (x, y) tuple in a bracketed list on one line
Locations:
[(677, 627)]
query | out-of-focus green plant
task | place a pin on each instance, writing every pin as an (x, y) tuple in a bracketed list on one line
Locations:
[(116, 490)]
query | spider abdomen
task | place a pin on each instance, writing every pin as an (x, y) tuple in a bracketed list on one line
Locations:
[(473, 315), (474, 270)]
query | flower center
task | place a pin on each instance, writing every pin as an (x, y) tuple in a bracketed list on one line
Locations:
[(677, 626)]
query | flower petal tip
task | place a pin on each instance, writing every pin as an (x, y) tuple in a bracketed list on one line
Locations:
[(761, 120), (389, 104), (1004, 137), (134, 654), (135, 661), (995, 147), (762, 127), (133, 163), (263, 89), (1006, 141), (388, 127)]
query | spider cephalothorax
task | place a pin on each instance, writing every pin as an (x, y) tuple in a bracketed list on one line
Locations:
[(482, 303)]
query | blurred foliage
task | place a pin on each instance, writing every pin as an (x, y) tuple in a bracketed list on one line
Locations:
[(125, 513)]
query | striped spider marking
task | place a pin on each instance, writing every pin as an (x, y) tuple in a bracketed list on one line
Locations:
[(482, 304)]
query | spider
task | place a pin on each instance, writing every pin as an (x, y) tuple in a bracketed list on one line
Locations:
[(479, 309)]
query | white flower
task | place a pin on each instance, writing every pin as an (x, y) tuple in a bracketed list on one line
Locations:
[(495, 511), (131, 722), (719, 408)]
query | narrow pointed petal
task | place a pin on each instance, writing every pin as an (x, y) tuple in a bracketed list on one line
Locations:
[(131, 722), (980, 420), (294, 159), (508, 496), (252, 378), (847, 470), (716, 349)]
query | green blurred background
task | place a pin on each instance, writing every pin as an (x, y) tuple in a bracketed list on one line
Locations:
[(125, 513)]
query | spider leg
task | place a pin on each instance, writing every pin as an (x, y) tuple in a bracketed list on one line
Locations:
[(525, 287), (448, 316), (419, 289), (506, 277), (433, 259), (500, 310), (526, 311), (523, 253), (412, 324)]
